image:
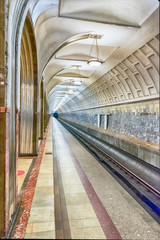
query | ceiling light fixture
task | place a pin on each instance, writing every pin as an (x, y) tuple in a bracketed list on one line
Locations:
[(95, 62), (78, 80), (70, 86), (70, 91)]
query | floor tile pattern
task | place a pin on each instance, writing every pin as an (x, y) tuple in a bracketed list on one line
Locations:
[(28, 194), (41, 223), (76, 198)]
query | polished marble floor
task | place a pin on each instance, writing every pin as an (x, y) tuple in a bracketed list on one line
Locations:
[(75, 198), (41, 222), (24, 165), (130, 220)]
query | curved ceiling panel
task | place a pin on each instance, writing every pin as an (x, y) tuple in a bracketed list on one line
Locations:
[(115, 11), (38, 7), (65, 32), (55, 31), (135, 78)]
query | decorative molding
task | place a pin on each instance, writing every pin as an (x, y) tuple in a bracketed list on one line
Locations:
[(136, 78)]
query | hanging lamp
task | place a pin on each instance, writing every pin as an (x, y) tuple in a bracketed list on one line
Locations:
[(70, 86), (95, 62), (77, 73)]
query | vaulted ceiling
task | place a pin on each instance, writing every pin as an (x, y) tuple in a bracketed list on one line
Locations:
[(65, 31)]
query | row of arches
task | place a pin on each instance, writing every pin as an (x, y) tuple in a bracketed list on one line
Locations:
[(23, 107)]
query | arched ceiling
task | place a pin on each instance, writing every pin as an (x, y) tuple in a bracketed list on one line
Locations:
[(65, 31)]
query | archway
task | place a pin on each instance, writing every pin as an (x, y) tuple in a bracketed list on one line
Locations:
[(28, 134)]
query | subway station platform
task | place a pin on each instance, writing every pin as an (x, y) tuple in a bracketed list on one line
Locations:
[(71, 196)]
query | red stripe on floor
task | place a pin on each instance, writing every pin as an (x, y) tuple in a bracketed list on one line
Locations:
[(105, 221), (28, 195)]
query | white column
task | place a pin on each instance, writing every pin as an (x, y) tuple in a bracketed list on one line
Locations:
[(98, 120), (105, 121)]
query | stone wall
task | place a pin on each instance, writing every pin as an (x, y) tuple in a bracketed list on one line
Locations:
[(138, 149), (137, 120)]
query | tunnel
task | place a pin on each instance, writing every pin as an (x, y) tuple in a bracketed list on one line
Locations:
[(55, 114), (79, 119)]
